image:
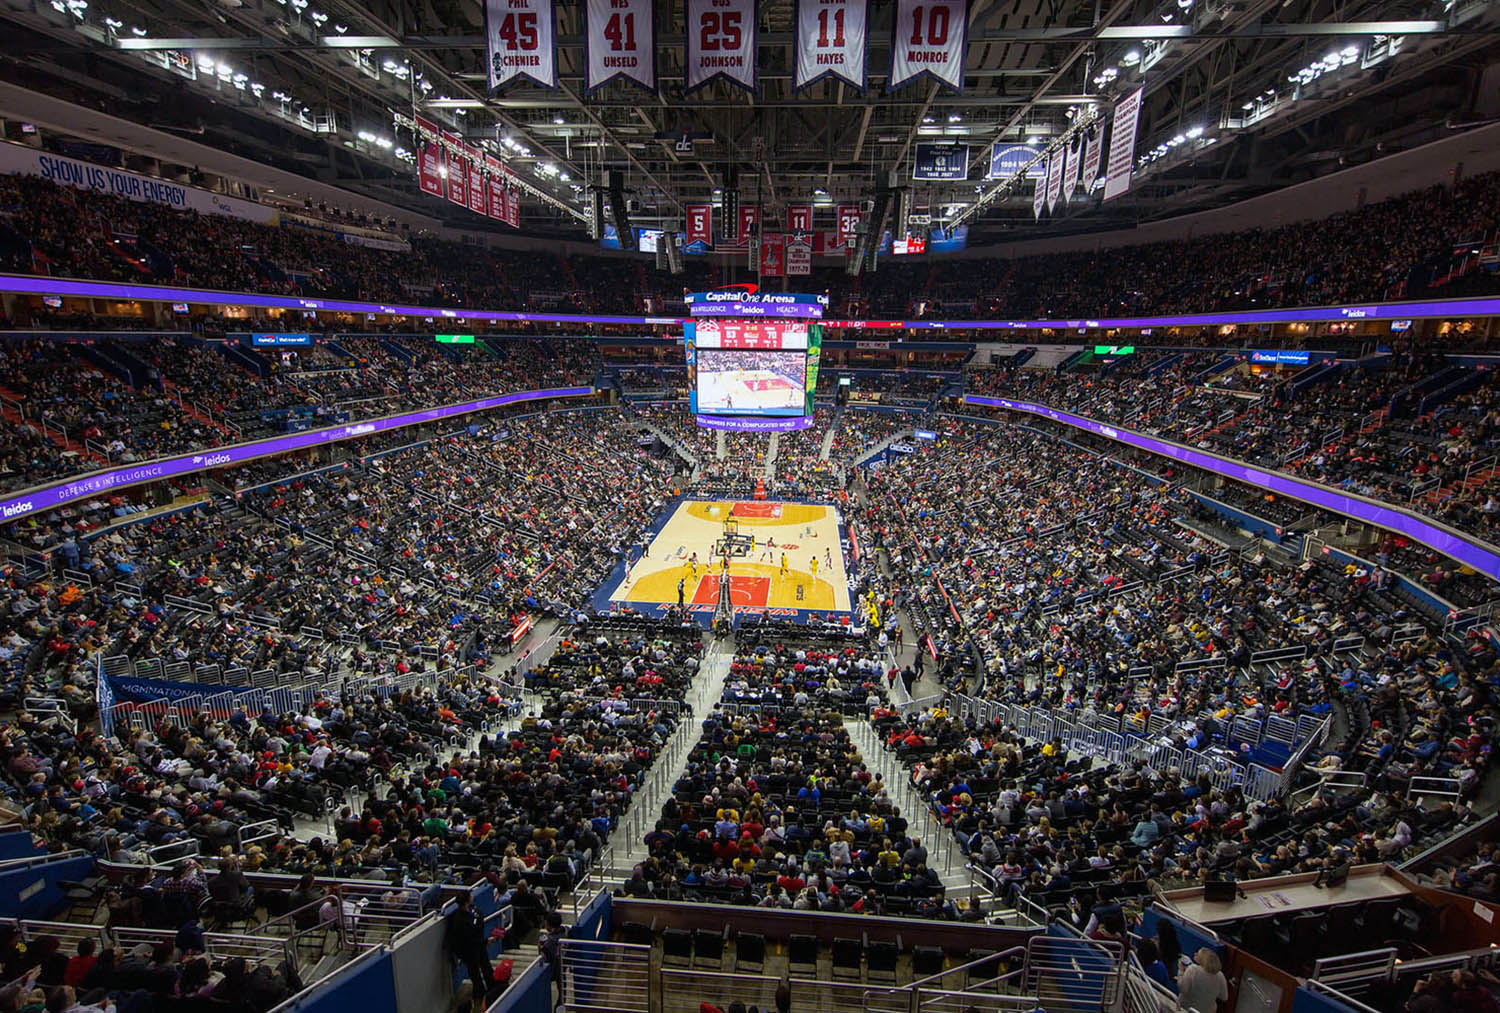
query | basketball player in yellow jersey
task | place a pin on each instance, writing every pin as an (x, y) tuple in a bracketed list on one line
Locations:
[(814, 564), (783, 564)]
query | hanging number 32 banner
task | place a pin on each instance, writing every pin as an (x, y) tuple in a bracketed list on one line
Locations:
[(521, 41), (720, 43), (929, 37), (621, 42), (832, 37)]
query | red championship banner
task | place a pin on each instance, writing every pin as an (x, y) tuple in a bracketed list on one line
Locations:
[(476, 181), (773, 255), (431, 165), (749, 219), (458, 171), (848, 222), (799, 217), (699, 224), (495, 191)]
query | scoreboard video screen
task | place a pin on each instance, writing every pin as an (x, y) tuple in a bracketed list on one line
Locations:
[(750, 367)]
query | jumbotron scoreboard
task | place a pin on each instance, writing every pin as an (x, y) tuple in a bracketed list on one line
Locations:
[(752, 358)]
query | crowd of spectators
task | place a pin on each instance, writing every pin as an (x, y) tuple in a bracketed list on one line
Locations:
[(171, 396), (1411, 429), (1411, 244)]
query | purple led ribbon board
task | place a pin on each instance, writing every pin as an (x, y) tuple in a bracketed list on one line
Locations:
[(1469, 551), (62, 493), (754, 425), (28, 285)]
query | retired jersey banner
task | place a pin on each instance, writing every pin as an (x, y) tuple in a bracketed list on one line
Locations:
[(431, 164), (458, 172), (848, 222), (799, 217), (799, 254), (620, 41), (476, 182), (929, 37), (720, 43), (1055, 176), (1039, 195), (832, 41), (521, 41), (1122, 144), (773, 255), (748, 220), (940, 162), (1094, 156), (699, 224)]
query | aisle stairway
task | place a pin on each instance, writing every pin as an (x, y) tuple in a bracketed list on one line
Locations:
[(706, 689)]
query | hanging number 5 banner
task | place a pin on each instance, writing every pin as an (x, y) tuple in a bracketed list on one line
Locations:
[(521, 41), (929, 37), (720, 43), (621, 42), (832, 37)]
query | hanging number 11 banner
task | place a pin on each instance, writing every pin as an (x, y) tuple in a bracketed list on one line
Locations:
[(832, 41), (929, 37)]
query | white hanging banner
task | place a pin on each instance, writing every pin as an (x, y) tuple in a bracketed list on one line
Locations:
[(832, 41), (1070, 171), (1039, 194), (721, 43), (929, 37), (1122, 144), (521, 41), (620, 41), (1055, 176), (1095, 155)]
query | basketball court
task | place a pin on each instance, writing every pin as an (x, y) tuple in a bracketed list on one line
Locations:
[(783, 557)]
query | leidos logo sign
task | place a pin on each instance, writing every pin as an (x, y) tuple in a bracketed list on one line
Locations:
[(16, 509)]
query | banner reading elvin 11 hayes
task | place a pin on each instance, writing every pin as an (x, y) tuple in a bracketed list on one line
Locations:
[(721, 42), (520, 41), (928, 38), (621, 42), (832, 41)]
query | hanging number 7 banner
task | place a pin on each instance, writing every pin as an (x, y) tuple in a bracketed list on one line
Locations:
[(720, 43), (621, 42), (832, 37), (929, 37), (520, 41)]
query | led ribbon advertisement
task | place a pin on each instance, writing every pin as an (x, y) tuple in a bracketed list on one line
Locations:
[(48, 497), (1470, 552), (28, 285)]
